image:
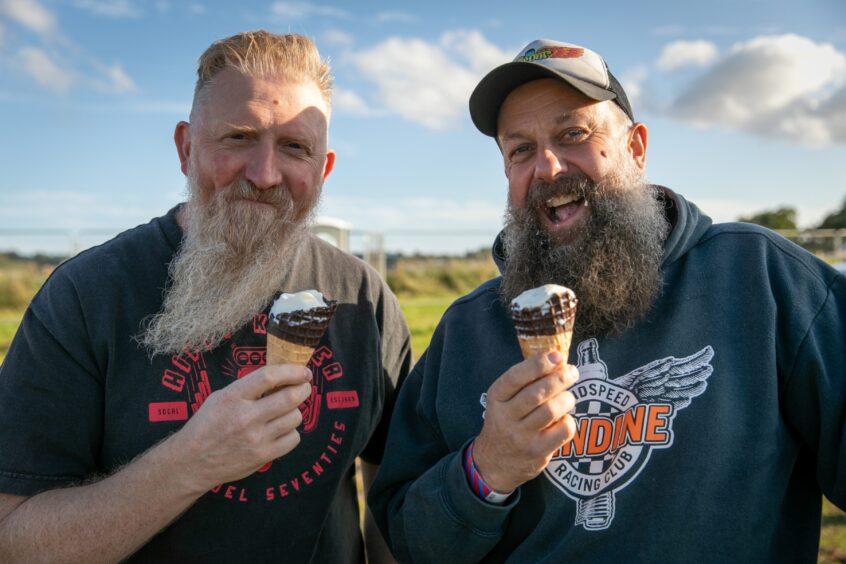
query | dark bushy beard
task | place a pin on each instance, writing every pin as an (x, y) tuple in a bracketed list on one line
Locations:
[(229, 266), (613, 265)]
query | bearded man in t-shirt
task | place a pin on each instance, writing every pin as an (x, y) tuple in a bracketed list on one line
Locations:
[(139, 418)]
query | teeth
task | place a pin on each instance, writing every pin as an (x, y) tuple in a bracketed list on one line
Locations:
[(556, 201)]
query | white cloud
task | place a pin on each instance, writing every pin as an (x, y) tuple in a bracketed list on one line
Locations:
[(48, 73), (338, 37), (470, 45), (2, 35), (30, 14), (296, 10), (686, 53), (428, 83), (395, 17), (109, 8), (633, 82), (783, 86), (70, 67), (115, 80), (347, 101), (197, 8)]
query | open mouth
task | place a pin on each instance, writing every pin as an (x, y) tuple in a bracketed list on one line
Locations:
[(562, 207)]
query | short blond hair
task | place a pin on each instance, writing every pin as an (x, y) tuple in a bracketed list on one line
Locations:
[(261, 53)]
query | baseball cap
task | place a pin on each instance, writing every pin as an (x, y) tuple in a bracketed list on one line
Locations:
[(579, 67)]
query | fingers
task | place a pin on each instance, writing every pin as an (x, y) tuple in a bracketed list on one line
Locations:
[(542, 390), (267, 378), (524, 373), (550, 411), (284, 424), (284, 399), (558, 433), (286, 443)]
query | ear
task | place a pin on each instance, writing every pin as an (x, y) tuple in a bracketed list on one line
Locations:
[(638, 138), (182, 138), (330, 163)]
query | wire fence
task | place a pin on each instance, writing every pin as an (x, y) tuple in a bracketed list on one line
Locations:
[(379, 248)]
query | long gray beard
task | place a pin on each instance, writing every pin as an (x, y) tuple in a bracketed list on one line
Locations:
[(614, 266), (229, 266)]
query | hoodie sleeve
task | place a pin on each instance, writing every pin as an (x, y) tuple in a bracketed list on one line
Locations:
[(814, 397), (420, 498)]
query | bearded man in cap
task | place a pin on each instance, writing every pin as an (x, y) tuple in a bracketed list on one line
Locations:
[(700, 414), (138, 417)]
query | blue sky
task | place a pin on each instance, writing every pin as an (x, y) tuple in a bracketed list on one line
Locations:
[(745, 101)]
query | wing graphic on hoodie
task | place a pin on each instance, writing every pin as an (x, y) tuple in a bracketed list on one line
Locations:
[(670, 380)]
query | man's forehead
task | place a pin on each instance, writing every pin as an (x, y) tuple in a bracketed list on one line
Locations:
[(234, 97), (555, 102)]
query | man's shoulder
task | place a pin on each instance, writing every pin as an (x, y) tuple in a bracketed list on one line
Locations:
[(323, 265), (326, 252), (752, 235), (760, 244), (338, 264), (133, 254), (479, 300)]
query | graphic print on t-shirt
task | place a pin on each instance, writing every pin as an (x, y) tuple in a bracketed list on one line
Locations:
[(187, 377), (618, 423)]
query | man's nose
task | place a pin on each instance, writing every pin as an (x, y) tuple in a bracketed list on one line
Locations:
[(263, 168), (548, 165)]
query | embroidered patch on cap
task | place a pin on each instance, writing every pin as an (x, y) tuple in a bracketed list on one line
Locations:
[(552, 53)]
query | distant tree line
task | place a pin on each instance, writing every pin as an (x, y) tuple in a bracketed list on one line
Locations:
[(785, 218)]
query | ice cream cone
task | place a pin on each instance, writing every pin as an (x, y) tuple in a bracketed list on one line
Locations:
[(296, 324), (544, 319), (280, 351)]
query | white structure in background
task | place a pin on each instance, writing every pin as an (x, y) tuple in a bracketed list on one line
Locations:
[(338, 232), (334, 231)]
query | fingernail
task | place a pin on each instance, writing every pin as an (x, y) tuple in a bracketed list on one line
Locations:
[(308, 374), (555, 357)]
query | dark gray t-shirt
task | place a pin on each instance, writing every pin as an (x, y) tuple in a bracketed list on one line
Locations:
[(79, 398)]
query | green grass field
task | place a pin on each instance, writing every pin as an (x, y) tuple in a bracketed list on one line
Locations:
[(423, 314), (9, 321), (833, 535)]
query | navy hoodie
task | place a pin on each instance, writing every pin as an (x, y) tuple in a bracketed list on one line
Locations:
[(707, 432)]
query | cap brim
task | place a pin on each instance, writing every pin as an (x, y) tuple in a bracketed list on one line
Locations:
[(492, 90)]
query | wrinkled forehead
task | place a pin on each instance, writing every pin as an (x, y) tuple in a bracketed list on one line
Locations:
[(232, 90)]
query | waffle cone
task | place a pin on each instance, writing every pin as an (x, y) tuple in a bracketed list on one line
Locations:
[(280, 351), (534, 344)]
